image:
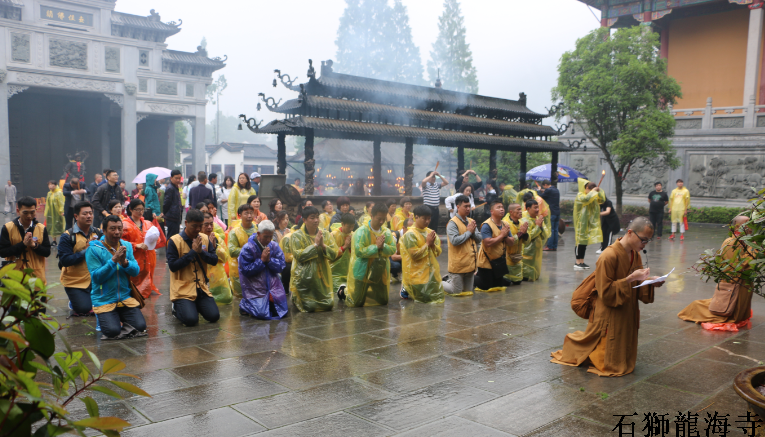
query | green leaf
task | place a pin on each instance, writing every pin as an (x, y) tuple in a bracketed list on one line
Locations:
[(6, 269), (16, 338), (102, 423), (32, 388), (110, 433), (105, 391), (39, 337), (113, 365), (93, 358), (18, 292), (91, 405), (127, 374), (130, 388)]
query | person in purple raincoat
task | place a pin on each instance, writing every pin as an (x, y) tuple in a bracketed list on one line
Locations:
[(260, 262)]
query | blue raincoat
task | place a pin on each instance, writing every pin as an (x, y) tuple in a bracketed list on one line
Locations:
[(151, 199), (259, 280)]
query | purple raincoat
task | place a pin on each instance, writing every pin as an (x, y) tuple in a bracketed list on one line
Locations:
[(260, 280)]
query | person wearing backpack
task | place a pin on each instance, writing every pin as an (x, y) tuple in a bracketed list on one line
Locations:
[(71, 259), (607, 298)]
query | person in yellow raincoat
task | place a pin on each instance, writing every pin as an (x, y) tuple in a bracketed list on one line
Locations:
[(239, 195), (366, 215), (282, 235), (326, 217), (514, 252), (679, 201), (509, 195), (369, 273), (587, 219), (54, 212), (397, 222), (538, 231), (312, 250), (342, 236), (523, 196), (420, 248), (237, 238), (219, 285)]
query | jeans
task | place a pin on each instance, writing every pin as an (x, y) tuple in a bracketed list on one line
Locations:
[(459, 282), (188, 311), (395, 268), (80, 299), (110, 322), (434, 215), (552, 242), (657, 220), (173, 228)]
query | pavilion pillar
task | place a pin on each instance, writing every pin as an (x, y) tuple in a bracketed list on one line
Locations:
[(554, 169), (493, 164), (377, 169), (309, 162), (522, 172), (408, 166), (171, 144), (281, 154), (460, 162), (753, 48)]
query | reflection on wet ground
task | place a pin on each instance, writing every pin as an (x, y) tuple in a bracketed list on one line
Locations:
[(473, 366)]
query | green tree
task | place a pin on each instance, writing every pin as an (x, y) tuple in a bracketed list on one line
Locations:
[(181, 140), (617, 87), (214, 91), (451, 54), (508, 164)]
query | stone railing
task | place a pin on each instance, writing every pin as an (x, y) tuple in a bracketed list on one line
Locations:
[(723, 117)]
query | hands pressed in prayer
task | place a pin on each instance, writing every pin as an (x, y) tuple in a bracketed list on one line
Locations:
[(319, 240), (347, 242), (380, 242), (524, 227), (471, 226), (196, 245), (431, 239), (266, 256), (28, 242), (539, 220)]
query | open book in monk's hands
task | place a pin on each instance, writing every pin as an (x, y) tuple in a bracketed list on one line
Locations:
[(655, 281)]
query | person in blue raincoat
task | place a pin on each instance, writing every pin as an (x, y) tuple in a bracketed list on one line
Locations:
[(260, 262)]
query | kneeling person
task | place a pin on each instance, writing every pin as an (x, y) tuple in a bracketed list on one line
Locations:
[(538, 232), (495, 238), (260, 263), (342, 237), (312, 250), (111, 265), (369, 273), (188, 255), (420, 248), (71, 258)]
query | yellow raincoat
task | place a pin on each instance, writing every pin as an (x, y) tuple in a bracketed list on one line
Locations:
[(284, 243), (237, 238), (587, 215), (397, 222), (219, 284), (340, 265), (324, 219), (236, 198), (54, 212), (515, 268), (420, 270), (509, 196), (532, 249), (544, 209), (369, 274), (679, 201), (365, 217), (311, 280)]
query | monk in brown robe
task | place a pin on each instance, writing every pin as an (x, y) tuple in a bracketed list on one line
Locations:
[(698, 310), (611, 339)]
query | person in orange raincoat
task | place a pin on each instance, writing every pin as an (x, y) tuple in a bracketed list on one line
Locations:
[(135, 228)]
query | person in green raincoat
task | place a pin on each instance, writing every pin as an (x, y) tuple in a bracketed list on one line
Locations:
[(369, 274), (514, 252), (342, 235), (312, 250), (538, 230), (54, 212), (219, 285), (237, 238), (420, 248), (587, 219), (151, 198), (509, 195)]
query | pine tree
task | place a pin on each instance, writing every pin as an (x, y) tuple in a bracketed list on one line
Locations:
[(451, 53), (406, 55)]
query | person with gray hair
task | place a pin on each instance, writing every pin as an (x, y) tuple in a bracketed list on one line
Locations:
[(261, 261)]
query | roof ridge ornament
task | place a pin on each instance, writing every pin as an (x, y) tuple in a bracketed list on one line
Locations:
[(252, 124), (311, 71), (173, 23), (271, 106), (219, 59), (563, 128), (439, 84), (287, 83), (560, 107)]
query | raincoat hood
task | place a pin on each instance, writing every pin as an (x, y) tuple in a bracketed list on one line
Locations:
[(581, 182), (151, 199)]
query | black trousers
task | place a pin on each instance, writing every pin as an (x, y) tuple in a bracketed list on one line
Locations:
[(80, 299), (286, 273), (434, 216), (580, 250), (68, 217), (173, 228), (609, 231), (110, 322), (657, 220), (188, 311), (485, 279)]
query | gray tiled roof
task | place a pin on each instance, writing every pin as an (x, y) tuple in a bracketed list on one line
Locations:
[(14, 3), (190, 58), (252, 151), (123, 19)]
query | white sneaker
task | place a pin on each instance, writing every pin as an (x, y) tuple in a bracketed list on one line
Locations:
[(579, 267), (598, 251)]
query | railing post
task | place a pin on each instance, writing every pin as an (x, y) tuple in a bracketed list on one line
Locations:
[(706, 122), (750, 118)]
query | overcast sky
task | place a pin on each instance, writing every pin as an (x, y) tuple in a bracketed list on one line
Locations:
[(516, 44)]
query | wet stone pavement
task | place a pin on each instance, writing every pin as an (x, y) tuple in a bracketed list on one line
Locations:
[(473, 366)]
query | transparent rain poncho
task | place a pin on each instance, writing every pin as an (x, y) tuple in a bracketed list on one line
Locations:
[(220, 287), (514, 253), (369, 277), (237, 238), (311, 280), (54, 212), (421, 274), (532, 249), (340, 265), (587, 215)]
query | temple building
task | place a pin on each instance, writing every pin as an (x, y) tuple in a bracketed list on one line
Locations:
[(714, 49), (85, 87)]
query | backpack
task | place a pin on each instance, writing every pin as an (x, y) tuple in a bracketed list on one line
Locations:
[(73, 236), (583, 300)]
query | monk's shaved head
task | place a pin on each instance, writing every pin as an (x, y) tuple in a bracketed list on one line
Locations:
[(739, 220), (639, 224), (512, 206)]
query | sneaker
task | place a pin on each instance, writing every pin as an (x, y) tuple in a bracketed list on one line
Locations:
[(172, 309), (682, 237), (672, 237), (445, 278), (98, 325), (403, 294), (658, 238), (579, 267), (585, 266), (70, 306), (341, 292), (599, 251), (546, 249)]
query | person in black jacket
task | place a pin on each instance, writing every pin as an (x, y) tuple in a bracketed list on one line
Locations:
[(551, 195), (73, 193), (201, 192), (75, 276), (24, 241), (106, 193), (93, 186), (172, 207)]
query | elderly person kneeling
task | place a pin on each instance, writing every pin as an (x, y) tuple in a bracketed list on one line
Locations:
[(260, 263)]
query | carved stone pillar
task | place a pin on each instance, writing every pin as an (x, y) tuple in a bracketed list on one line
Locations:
[(105, 142), (753, 46), (408, 166), (129, 139), (309, 162), (5, 139), (281, 154), (198, 153), (377, 169), (171, 144)]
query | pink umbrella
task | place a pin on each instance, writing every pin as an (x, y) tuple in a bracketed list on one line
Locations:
[(161, 173)]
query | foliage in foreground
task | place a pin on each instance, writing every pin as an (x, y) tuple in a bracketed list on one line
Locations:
[(37, 384)]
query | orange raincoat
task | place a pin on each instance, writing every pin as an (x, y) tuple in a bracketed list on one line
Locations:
[(146, 259)]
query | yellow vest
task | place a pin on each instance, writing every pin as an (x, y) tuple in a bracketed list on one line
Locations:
[(490, 253), (77, 276), (29, 259), (515, 248), (184, 282), (462, 258)]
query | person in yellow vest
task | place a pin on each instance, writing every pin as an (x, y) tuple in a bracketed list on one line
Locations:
[(188, 255), (342, 237), (397, 222), (369, 272), (538, 232), (492, 257), (312, 249), (514, 251), (420, 248), (24, 241), (71, 258), (462, 239), (237, 238), (679, 202)]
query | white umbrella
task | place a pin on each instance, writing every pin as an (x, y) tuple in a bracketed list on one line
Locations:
[(161, 173)]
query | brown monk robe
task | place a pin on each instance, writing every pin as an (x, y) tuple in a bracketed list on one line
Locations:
[(611, 339), (698, 310)]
